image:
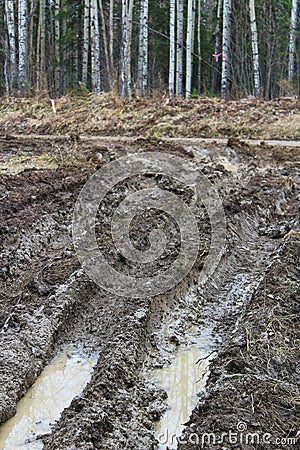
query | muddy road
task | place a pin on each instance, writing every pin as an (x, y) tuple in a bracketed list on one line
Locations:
[(248, 310)]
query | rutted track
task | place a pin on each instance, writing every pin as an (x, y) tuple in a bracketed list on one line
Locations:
[(129, 139), (47, 299)]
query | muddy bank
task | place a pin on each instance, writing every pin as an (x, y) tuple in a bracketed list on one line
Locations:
[(48, 301), (252, 398)]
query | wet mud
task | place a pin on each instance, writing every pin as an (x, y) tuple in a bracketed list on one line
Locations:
[(250, 305)]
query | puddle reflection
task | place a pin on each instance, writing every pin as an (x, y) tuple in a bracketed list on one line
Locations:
[(183, 379)]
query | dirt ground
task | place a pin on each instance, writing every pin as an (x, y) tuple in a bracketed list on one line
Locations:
[(252, 302)]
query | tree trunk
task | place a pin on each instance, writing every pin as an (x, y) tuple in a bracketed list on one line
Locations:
[(172, 49), (225, 47), (199, 47), (218, 42), (95, 51), (57, 45), (140, 55), (145, 46), (22, 45), (111, 37), (189, 40), (124, 80), (255, 55), (29, 49), (11, 56), (86, 33), (40, 85), (129, 38), (105, 46), (179, 47), (292, 43)]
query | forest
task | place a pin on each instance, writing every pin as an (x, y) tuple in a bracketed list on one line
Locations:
[(227, 48)]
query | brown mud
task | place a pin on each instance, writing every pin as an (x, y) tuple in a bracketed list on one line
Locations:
[(251, 304)]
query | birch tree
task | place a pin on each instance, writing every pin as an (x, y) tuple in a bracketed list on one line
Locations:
[(179, 47), (189, 40), (145, 46), (124, 50), (218, 42), (255, 54), (142, 75), (292, 43), (140, 55), (95, 50), (111, 35), (22, 44), (57, 43), (11, 50), (172, 49), (129, 38), (86, 33), (225, 47), (199, 47)]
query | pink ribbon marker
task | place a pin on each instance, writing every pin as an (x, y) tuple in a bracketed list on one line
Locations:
[(219, 54)]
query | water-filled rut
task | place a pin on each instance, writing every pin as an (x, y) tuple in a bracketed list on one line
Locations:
[(62, 379)]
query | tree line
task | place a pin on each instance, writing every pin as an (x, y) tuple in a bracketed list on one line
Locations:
[(231, 48)]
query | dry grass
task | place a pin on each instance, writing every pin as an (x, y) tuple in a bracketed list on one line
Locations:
[(13, 165), (110, 115)]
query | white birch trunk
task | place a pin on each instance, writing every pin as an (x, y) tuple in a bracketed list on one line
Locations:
[(172, 49), (145, 46), (111, 36), (199, 46), (193, 28), (6, 81), (95, 50), (255, 54), (22, 45), (129, 38), (85, 54), (292, 43), (179, 47), (225, 47), (124, 80), (218, 42), (57, 46), (140, 54), (189, 40), (11, 56)]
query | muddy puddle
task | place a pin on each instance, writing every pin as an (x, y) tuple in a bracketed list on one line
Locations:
[(62, 380), (183, 380)]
